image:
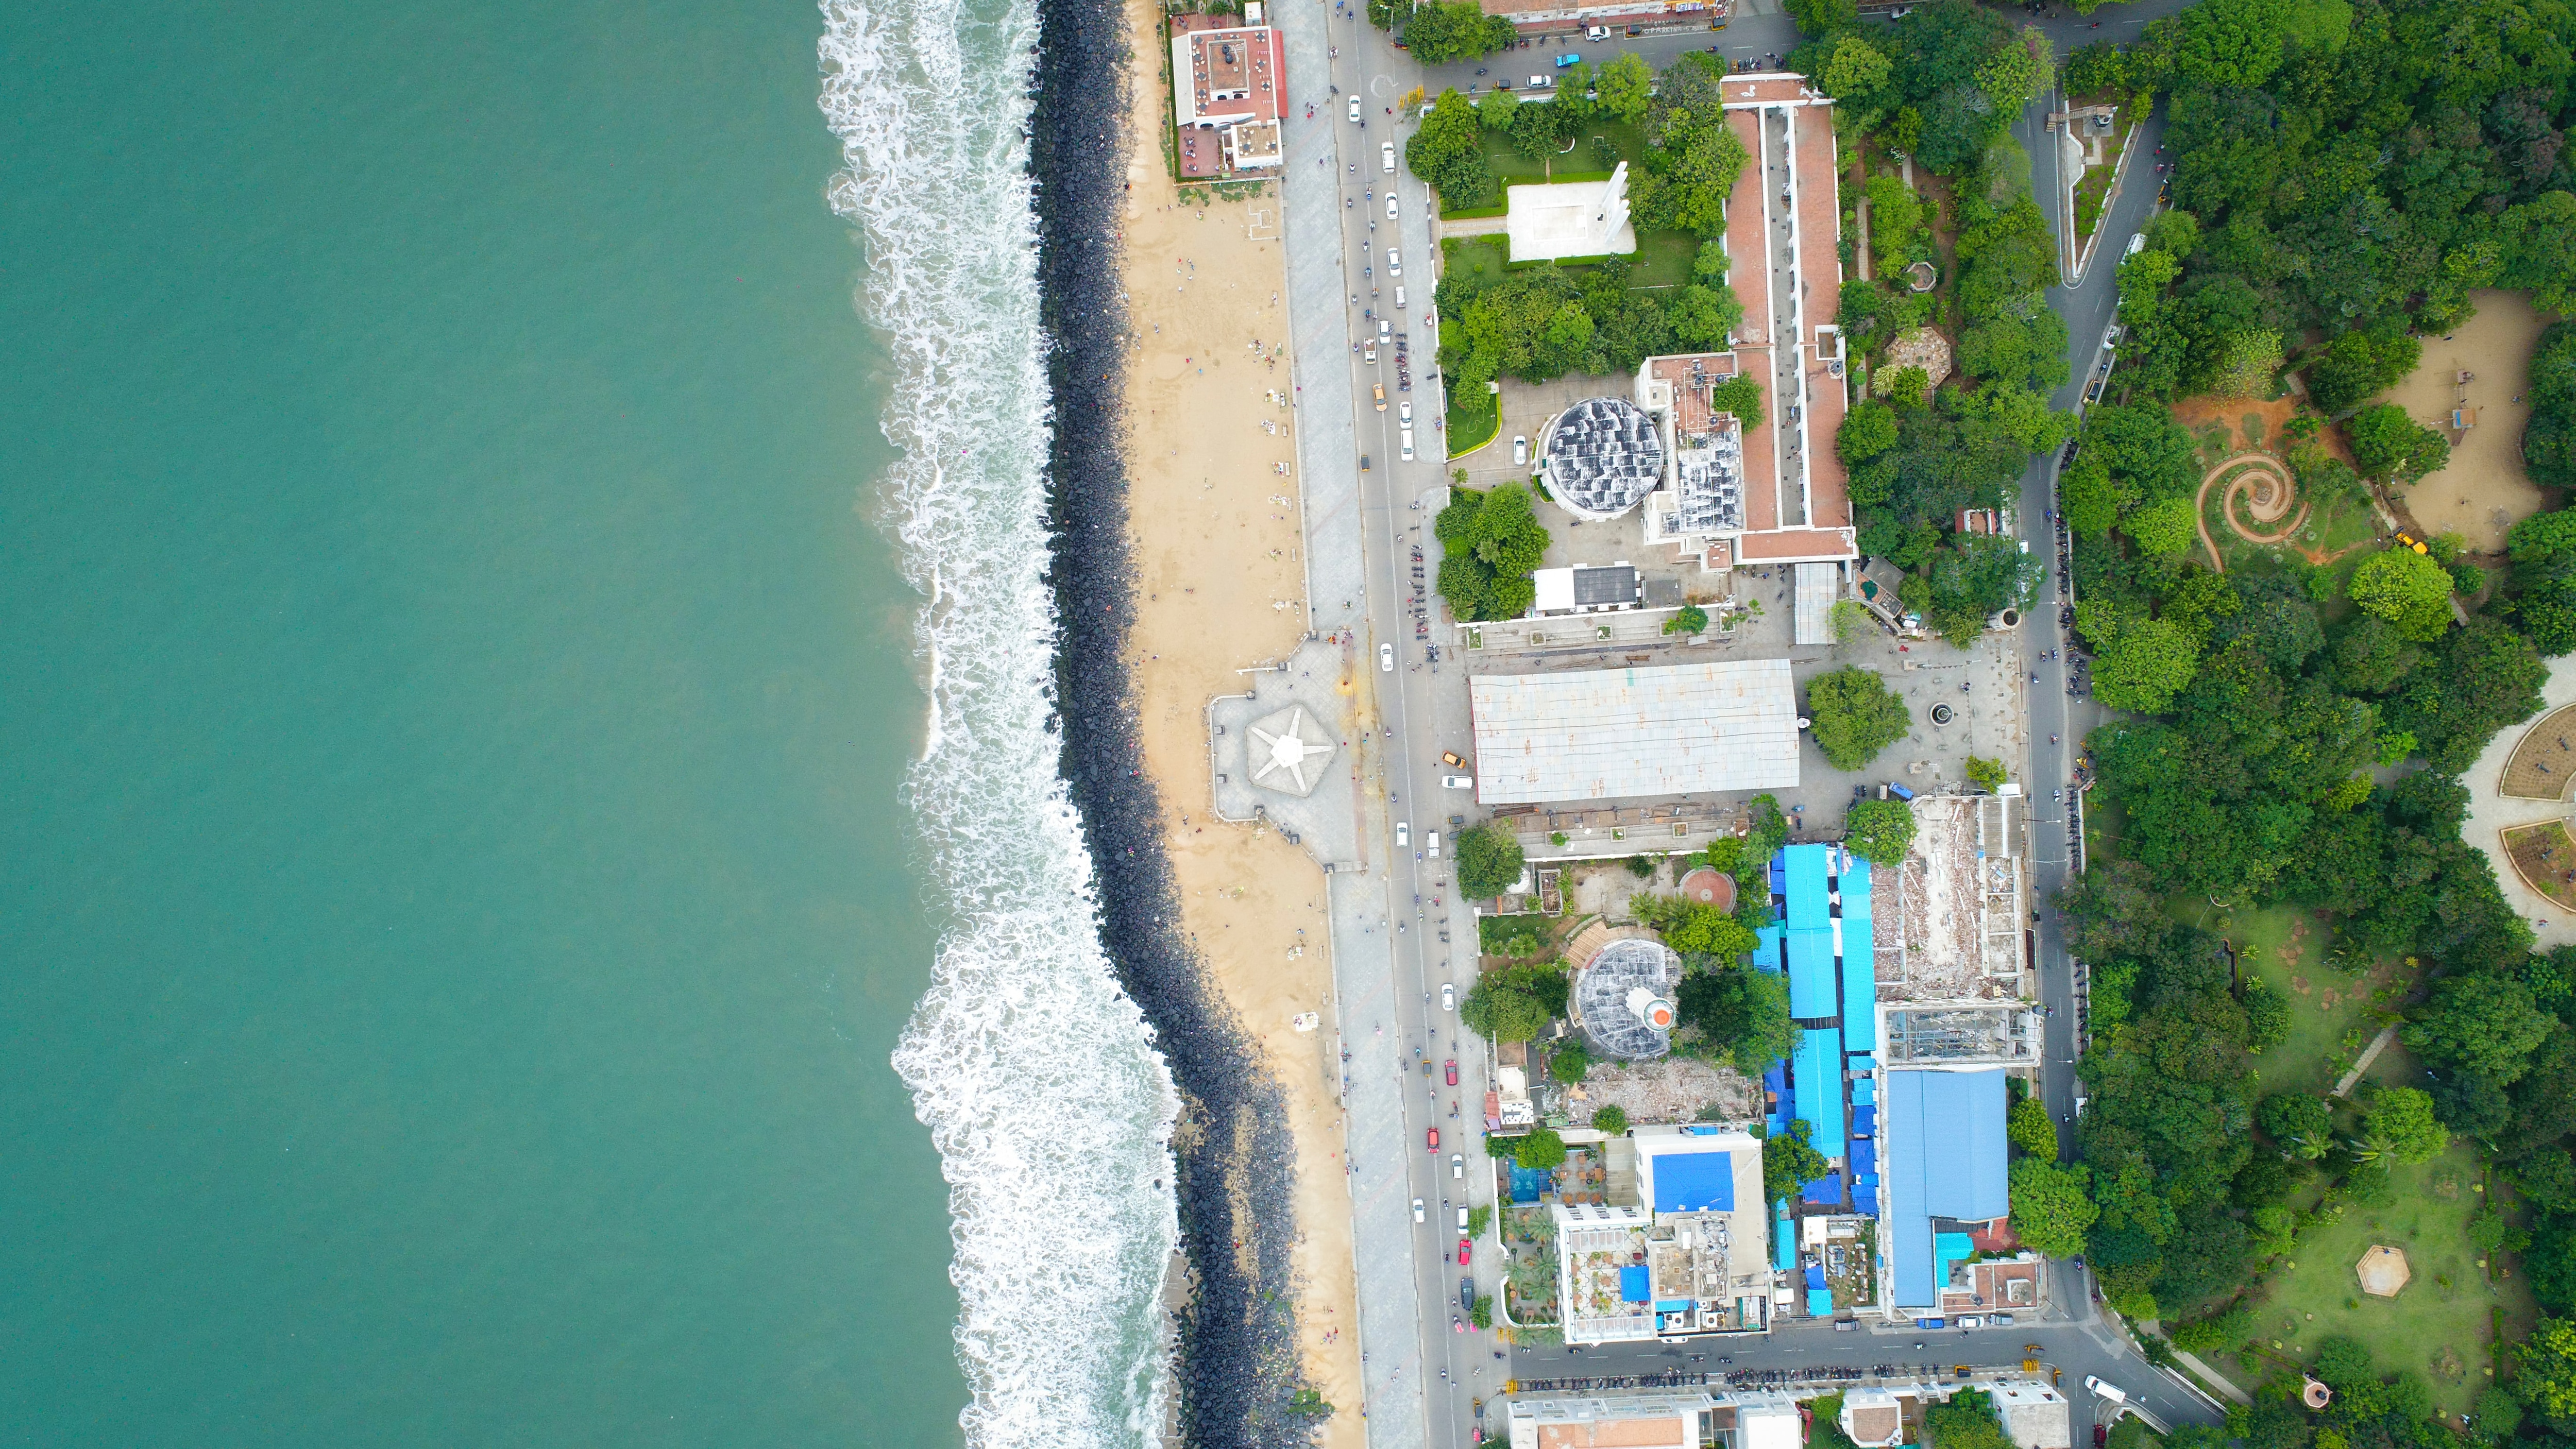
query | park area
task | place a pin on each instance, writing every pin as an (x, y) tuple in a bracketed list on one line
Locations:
[(2442, 1321), (1663, 257)]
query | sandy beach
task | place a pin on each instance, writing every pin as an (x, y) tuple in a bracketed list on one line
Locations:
[(1220, 585)]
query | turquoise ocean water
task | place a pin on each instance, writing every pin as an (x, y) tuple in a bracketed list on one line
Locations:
[(457, 903)]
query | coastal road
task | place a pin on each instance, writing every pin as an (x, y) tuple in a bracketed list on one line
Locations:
[(2074, 1349)]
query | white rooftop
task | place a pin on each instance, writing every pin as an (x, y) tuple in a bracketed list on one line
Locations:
[(1605, 734), (1549, 222)]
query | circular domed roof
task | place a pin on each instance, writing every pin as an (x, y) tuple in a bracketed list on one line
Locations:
[(1624, 998), (1602, 456)]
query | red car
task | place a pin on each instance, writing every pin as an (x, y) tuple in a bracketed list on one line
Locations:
[(1451, 1067), (1464, 1248), (1435, 1139)]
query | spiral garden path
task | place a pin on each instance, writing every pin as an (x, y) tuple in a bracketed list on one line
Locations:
[(2265, 487)]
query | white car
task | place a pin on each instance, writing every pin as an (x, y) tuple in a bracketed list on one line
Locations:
[(1417, 1210), (1404, 832), (1404, 411), (1457, 1165), (1520, 451), (1386, 658), (1386, 157), (1390, 204), (1462, 1220), (1432, 840), (1399, 295), (1394, 262), (2111, 338), (1405, 437), (1540, 82), (1355, 108), (2137, 244), (1385, 330), (1448, 997), (1457, 782), (1596, 32), (2106, 1389)]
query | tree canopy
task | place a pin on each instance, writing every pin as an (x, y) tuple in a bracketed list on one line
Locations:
[(1856, 715), (2408, 590), (1879, 831), (1490, 544), (2050, 1208), (1489, 860)]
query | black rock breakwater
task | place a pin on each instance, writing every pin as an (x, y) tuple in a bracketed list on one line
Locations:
[(1238, 1364)]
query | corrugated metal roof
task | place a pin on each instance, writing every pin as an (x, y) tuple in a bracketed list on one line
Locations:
[(1944, 1155), (1605, 734)]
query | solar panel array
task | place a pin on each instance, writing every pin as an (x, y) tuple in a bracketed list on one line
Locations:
[(1601, 996), (1603, 456)]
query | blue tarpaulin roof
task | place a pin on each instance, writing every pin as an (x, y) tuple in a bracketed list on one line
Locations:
[(1865, 1198), (1864, 1095), (1784, 1245), (1689, 1182), (1820, 1303), (1826, 1191), (1944, 1146), (1633, 1287), (1815, 1275), (1864, 1155), (1864, 1121)]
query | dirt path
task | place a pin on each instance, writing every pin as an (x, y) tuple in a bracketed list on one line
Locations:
[(2268, 493)]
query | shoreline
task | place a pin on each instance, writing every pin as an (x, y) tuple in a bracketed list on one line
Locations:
[(1237, 1361)]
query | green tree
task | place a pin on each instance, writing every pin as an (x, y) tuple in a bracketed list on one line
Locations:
[(1855, 70), (1825, 17), (2359, 363), (2246, 364), (1737, 1015), (2166, 526), (1627, 86), (2408, 590), (1540, 1151), (1612, 1119), (1489, 860), (2487, 1025), (2146, 666), (2227, 42), (2389, 445), (1704, 317), (1879, 831), (2545, 1367), (1986, 774), (2097, 70), (1789, 1159), (1502, 1013), (1867, 431), (2030, 1129), (2301, 1123), (2478, 679), (1856, 715), (1569, 1063), (1456, 30), (2400, 1124), (1445, 153), (2051, 1208)]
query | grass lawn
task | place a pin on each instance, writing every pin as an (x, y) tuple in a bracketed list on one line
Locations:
[(1663, 259), (1473, 259), (1473, 420), (2332, 1016), (2441, 1325)]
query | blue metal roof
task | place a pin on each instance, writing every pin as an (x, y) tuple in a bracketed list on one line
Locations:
[(1806, 867), (1817, 1069), (1811, 972), (1860, 960), (1942, 1136), (1689, 1182)]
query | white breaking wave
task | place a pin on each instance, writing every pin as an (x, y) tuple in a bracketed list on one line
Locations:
[(1051, 1109)]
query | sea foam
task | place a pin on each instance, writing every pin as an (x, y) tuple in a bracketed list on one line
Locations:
[(1050, 1106)]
